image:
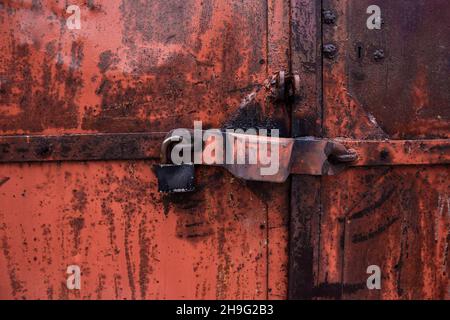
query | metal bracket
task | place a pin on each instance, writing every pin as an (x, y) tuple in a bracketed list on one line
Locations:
[(287, 85)]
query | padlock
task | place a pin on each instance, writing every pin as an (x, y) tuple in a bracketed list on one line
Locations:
[(173, 178)]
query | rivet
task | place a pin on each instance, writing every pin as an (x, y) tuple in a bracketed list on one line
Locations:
[(329, 17), (378, 55), (329, 51)]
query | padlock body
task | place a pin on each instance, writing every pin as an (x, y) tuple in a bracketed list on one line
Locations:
[(175, 178)]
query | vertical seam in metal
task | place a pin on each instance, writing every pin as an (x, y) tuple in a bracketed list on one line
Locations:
[(266, 206), (291, 134), (267, 39), (322, 105), (344, 229), (319, 51)]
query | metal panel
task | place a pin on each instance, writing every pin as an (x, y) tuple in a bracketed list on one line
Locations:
[(307, 121), (396, 218), (137, 66)]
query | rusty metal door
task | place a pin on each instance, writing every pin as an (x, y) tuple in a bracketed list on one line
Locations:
[(382, 77), (131, 67), (105, 81)]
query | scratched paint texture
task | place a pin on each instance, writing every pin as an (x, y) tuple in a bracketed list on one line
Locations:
[(157, 65), (396, 218), (137, 66)]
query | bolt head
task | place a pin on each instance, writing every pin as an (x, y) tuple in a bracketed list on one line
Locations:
[(329, 17), (329, 51), (378, 55)]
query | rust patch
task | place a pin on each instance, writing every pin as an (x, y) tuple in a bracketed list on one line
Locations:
[(107, 60), (145, 269), (53, 104), (17, 286), (79, 200), (77, 224), (128, 213), (108, 214), (100, 286)]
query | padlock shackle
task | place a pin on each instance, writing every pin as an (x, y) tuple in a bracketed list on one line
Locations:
[(166, 144)]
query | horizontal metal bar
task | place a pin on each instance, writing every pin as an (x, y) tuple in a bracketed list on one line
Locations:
[(81, 147), (399, 152), (298, 156)]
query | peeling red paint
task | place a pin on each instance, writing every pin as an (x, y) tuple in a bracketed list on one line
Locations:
[(135, 67), (152, 66)]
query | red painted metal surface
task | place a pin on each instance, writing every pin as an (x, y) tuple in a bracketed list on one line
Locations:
[(137, 66), (395, 218), (152, 66), (403, 226)]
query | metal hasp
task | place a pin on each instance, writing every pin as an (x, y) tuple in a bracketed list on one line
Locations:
[(306, 156)]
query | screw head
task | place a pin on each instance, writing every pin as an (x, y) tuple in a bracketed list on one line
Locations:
[(329, 17), (378, 55), (329, 51)]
